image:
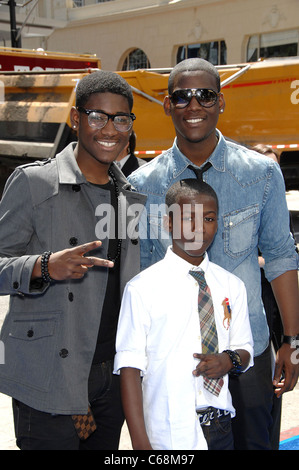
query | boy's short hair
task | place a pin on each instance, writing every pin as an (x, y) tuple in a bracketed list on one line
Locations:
[(188, 187), (193, 65), (103, 81)]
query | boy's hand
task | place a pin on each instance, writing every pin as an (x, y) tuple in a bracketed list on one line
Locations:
[(212, 366)]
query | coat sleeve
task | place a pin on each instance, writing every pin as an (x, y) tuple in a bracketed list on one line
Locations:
[(16, 230), (276, 242)]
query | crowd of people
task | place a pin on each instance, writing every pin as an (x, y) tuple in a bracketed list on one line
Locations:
[(154, 316)]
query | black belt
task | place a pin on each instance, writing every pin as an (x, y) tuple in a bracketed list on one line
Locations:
[(208, 414)]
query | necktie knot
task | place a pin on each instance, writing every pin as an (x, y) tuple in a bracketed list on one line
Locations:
[(199, 171), (200, 278)]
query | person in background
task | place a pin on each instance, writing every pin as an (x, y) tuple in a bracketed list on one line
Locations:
[(127, 160), (162, 335), (65, 276), (270, 304), (272, 313), (267, 151), (253, 215)]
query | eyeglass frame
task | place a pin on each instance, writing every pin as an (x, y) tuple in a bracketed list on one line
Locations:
[(194, 94), (109, 116)]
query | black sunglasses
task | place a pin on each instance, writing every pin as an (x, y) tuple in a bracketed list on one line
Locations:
[(205, 97)]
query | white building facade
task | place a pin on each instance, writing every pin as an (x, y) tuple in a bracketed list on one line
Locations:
[(129, 34)]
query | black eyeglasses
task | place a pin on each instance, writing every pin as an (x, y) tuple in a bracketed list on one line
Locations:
[(98, 119), (205, 97)]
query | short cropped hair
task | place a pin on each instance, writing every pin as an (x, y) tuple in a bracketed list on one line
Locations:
[(193, 65), (189, 187), (103, 81)]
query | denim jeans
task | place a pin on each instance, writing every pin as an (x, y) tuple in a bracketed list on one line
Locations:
[(36, 430), (218, 433), (253, 398)]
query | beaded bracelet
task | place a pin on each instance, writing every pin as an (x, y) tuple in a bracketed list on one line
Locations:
[(44, 266)]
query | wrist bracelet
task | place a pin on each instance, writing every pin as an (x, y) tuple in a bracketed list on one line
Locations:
[(44, 266), (236, 361), (293, 341)]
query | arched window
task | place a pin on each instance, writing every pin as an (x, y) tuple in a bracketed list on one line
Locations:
[(136, 59), (214, 52)]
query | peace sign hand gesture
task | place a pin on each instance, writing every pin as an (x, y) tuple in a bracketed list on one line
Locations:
[(71, 262)]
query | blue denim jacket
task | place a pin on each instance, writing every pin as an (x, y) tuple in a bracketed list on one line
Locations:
[(253, 215)]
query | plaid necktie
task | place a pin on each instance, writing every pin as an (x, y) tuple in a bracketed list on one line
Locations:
[(209, 336)]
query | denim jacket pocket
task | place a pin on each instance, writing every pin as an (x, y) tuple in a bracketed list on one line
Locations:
[(240, 230)]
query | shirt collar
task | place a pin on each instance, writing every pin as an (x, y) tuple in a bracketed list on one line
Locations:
[(217, 158), (120, 163), (182, 266)]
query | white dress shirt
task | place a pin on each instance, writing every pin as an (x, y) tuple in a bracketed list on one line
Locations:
[(159, 332), (120, 163)]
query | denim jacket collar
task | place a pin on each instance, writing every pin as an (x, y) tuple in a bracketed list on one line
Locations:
[(217, 158)]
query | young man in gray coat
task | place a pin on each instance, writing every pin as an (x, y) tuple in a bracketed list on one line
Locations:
[(68, 245)]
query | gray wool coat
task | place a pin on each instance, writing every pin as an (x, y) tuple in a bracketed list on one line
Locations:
[(50, 331)]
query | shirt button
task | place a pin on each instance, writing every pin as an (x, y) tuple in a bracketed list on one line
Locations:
[(71, 297), (16, 285), (30, 333), (76, 188), (73, 241), (134, 241), (63, 353)]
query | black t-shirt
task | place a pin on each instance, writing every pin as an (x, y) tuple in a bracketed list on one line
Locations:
[(105, 348)]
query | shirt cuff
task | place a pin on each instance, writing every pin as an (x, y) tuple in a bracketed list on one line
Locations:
[(276, 268), (129, 359), (25, 285)]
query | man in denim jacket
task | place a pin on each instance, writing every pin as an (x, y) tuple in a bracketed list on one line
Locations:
[(252, 215)]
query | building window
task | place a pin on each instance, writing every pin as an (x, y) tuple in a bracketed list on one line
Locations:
[(278, 44), (136, 59), (81, 3), (214, 52)]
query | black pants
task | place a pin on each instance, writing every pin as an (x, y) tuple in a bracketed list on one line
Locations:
[(36, 430), (256, 406)]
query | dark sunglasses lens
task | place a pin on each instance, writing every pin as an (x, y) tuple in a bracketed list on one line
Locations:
[(206, 98), (181, 98)]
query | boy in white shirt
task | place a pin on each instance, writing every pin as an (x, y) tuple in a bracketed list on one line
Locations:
[(159, 336)]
